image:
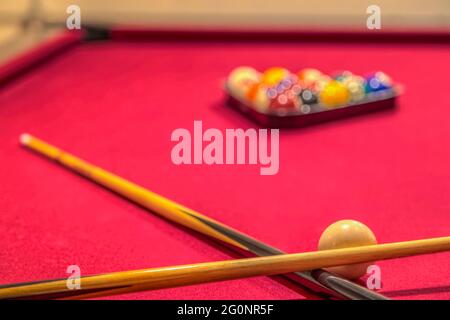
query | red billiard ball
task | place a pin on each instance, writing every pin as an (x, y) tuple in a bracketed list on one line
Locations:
[(284, 100), (285, 94)]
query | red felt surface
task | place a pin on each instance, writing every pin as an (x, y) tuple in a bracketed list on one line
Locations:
[(116, 103)]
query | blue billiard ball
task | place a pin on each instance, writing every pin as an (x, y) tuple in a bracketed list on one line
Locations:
[(377, 82)]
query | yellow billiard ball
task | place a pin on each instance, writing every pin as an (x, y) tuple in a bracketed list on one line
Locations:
[(273, 76), (345, 234), (240, 80), (334, 94)]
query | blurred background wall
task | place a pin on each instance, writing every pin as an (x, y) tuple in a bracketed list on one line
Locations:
[(231, 12), (14, 14)]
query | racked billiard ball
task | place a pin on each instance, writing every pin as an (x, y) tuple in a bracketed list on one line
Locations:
[(240, 80), (286, 83), (320, 84), (307, 96), (308, 76), (355, 84), (346, 234), (305, 109), (334, 94), (377, 82), (261, 101), (286, 99), (257, 97), (273, 76), (283, 101), (262, 96), (284, 95), (340, 76)]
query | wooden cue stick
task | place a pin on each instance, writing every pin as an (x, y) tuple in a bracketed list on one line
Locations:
[(182, 275), (319, 282)]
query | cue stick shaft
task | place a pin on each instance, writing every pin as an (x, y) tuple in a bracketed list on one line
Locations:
[(183, 275), (317, 281)]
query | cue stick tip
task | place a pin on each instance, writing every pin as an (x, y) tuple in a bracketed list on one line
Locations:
[(24, 139)]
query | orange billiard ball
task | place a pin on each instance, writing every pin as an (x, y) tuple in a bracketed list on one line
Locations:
[(257, 97), (345, 234)]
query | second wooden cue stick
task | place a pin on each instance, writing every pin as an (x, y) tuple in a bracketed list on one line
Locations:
[(175, 276), (317, 281)]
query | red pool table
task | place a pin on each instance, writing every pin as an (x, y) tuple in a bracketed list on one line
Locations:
[(116, 101)]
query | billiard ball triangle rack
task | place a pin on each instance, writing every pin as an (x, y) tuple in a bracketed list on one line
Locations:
[(316, 113), (282, 118)]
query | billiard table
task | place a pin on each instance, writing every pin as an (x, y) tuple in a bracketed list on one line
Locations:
[(114, 97)]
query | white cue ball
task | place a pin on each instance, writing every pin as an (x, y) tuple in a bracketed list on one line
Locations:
[(240, 80), (345, 234)]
